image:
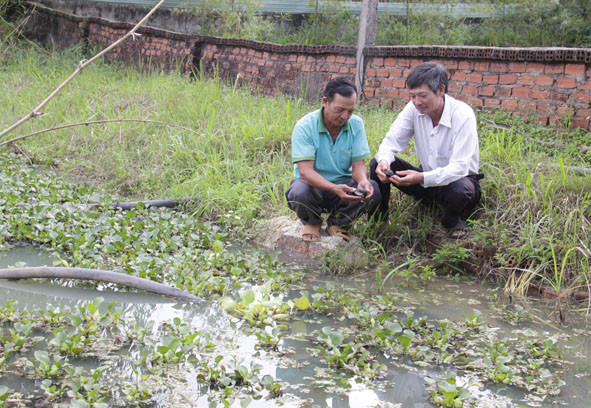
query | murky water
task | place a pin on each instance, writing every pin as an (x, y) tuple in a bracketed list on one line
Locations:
[(404, 384)]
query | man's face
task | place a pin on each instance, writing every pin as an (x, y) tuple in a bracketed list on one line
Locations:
[(339, 110), (425, 100)]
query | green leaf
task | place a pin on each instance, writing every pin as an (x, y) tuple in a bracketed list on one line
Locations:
[(247, 296), (302, 303)]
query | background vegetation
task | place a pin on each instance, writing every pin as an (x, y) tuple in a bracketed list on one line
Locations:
[(512, 23)]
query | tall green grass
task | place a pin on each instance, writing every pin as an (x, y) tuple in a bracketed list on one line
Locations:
[(236, 162)]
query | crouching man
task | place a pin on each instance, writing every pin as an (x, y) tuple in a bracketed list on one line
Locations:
[(329, 147)]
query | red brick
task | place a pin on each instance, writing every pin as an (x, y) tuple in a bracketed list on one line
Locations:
[(539, 94), (509, 104), (380, 93), (528, 106), (344, 70), (516, 67), (582, 97), (287, 67), (454, 87), (574, 69), (584, 113), (374, 102), (554, 69), (466, 65), (525, 80), (377, 62), (395, 72), (566, 83), (543, 120), (491, 79), (498, 67), (470, 90), (340, 59), (383, 72), (415, 61), (492, 102), (554, 120), (450, 64), (399, 83), (369, 92), (389, 62), (370, 72), (387, 104), (503, 91), (399, 104), (481, 66), (404, 95), (580, 122), (545, 107), (403, 62), (486, 91), (459, 76), (535, 67), (544, 81), (521, 92), (331, 58), (306, 68), (507, 79), (474, 77), (558, 96), (301, 58), (586, 86), (386, 83), (393, 93), (474, 102)]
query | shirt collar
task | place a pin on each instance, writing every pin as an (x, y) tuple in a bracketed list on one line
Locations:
[(322, 128), (446, 114)]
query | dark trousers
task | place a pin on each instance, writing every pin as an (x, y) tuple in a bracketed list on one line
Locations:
[(455, 198), (309, 203)]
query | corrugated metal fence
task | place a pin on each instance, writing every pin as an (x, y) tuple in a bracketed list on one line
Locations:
[(458, 10)]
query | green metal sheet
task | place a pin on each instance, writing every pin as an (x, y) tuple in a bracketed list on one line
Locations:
[(461, 10)]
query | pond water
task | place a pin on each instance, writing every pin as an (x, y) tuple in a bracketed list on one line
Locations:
[(404, 383)]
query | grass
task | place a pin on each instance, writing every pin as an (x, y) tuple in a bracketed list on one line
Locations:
[(236, 162)]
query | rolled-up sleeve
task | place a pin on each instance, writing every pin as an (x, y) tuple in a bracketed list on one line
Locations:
[(397, 137)]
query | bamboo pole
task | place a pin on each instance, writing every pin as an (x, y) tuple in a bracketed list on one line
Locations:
[(95, 122), (38, 111)]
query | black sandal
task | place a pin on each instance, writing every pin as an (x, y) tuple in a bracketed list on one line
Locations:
[(460, 226)]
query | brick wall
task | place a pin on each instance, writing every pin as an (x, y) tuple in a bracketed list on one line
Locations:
[(547, 92), (547, 85)]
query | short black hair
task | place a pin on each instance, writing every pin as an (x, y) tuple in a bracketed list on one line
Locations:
[(430, 73), (340, 85)]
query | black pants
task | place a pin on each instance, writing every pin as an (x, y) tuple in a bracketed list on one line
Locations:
[(457, 197), (309, 203)]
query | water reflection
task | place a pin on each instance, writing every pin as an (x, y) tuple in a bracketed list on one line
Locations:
[(404, 384)]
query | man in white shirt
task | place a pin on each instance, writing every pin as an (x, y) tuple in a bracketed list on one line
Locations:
[(446, 142)]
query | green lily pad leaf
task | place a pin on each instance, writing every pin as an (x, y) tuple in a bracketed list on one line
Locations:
[(247, 296), (228, 304), (302, 303)]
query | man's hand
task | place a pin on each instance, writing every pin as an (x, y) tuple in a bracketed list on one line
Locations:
[(382, 167), (342, 189), (366, 185), (405, 178)]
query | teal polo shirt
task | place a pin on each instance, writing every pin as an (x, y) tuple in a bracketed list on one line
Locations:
[(311, 141)]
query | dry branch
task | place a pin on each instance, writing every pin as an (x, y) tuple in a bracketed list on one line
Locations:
[(38, 111), (95, 122)]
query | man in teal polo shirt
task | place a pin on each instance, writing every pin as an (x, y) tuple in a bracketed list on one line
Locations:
[(329, 147)]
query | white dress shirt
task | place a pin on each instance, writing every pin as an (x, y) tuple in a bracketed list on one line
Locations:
[(447, 152)]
